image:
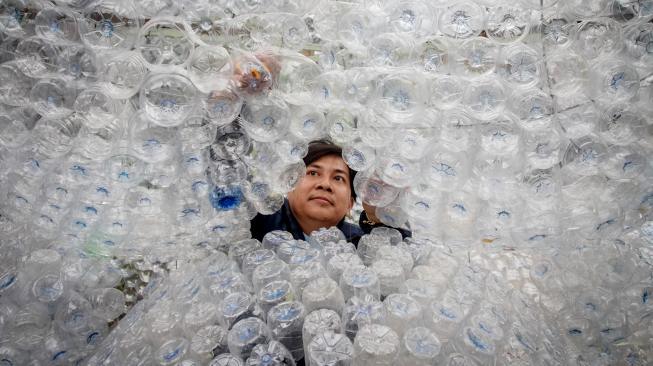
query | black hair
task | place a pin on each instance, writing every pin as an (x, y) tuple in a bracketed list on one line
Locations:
[(320, 148)]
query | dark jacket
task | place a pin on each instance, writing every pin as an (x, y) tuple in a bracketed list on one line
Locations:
[(285, 220)]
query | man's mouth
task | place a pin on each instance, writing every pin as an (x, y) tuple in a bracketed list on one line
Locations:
[(322, 199)]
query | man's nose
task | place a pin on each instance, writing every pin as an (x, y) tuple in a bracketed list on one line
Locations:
[(325, 183)]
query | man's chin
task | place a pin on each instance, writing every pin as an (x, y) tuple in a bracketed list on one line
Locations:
[(320, 213)]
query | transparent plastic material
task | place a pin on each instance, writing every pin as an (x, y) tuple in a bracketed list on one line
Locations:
[(390, 275), (164, 43), (265, 121), (262, 354), (597, 37), (373, 190), (521, 65), (477, 57), (558, 30), (360, 282), (286, 320), (507, 24), (376, 345), (402, 312), (109, 27), (246, 334), (57, 25), (509, 142), (329, 348), (322, 293), (150, 142), (359, 312), (316, 323), (53, 98), (340, 262), (168, 99), (123, 74), (433, 55), (222, 106), (584, 156), (400, 97), (237, 306), (359, 156), (463, 20), (419, 347), (485, 99), (227, 359), (619, 125), (613, 81)]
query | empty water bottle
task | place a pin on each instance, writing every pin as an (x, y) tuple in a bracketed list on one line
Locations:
[(330, 348), (286, 320)]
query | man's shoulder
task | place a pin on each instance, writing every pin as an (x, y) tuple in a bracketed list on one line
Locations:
[(351, 231), (262, 224), (282, 219)]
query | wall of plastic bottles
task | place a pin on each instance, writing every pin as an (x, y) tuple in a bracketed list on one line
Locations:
[(513, 138)]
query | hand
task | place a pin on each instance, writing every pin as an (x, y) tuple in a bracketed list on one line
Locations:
[(257, 74), (370, 211)]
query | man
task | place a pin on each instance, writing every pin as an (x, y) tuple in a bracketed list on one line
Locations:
[(322, 198)]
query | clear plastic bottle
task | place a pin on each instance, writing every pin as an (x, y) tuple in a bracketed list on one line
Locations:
[(317, 322), (122, 74), (376, 345), (599, 36), (359, 156), (227, 359), (163, 43), (461, 21), (237, 306), (109, 26), (168, 99), (285, 321), (613, 81), (330, 348), (222, 106), (521, 65), (507, 24), (273, 353), (209, 340), (360, 282), (419, 346), (268, 272), (246, 334), (274, 293), (359, 312), (402, 312), (323, 293), (477, 57), (373, 190), (57, 25), (390, 275), (266, 120), (53, 98), (254, 259), (274, 238), (340, 262)]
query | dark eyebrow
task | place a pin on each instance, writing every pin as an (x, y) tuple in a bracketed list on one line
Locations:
[(318, 166)]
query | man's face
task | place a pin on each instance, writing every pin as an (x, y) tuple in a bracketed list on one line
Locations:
[(323, 194)]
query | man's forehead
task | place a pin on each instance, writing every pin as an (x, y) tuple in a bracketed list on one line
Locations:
[(332, 163)]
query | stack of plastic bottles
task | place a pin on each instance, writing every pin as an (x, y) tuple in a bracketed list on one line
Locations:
[(513, 138)]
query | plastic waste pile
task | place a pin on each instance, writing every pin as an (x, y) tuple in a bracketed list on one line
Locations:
[(513, 138)]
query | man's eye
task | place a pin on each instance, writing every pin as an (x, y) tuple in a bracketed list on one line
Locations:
[(311, 172), (339, 178)]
